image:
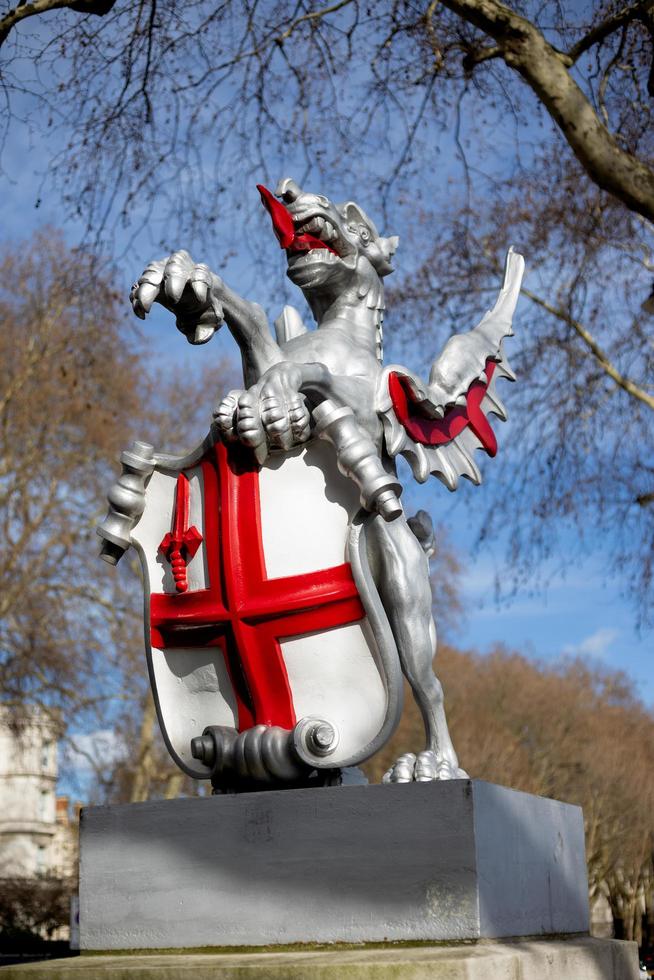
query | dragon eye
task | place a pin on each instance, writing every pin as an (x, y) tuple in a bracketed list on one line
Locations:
[(322, 201), (352, 229)]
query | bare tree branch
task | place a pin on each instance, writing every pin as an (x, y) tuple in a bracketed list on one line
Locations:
[(601, 31), (477, 56), (24, 10), (598, 353), (544, 68)]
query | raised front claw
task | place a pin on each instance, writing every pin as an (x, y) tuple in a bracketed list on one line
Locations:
[(426, 767), (186, 288)]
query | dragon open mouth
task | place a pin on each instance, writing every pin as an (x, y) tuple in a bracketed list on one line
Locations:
[(293, 235)]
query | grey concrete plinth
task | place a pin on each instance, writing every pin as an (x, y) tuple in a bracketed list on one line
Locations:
[(544, 959), (428, 861)]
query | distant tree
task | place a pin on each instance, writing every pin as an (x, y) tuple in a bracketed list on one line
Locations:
[(69, 390), (33, 909), (570, 732), (75, 388)]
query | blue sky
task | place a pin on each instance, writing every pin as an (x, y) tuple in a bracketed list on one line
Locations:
[(576, 613)]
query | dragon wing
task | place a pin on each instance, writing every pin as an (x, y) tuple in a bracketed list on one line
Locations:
[(437, 427)]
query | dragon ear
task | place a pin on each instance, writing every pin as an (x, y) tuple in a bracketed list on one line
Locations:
[(355, 215), (379, 250)]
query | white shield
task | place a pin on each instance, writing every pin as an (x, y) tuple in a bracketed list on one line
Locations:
[(260, 606)]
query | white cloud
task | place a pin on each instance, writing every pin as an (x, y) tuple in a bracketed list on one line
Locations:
[(597, 644)]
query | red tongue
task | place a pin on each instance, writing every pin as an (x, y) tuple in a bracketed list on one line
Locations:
[(282, 222), (282, 219)]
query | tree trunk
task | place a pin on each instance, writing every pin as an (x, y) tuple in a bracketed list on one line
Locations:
[(545, 70), (142, 771)]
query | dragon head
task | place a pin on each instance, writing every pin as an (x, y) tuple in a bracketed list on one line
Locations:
[(326, 244)]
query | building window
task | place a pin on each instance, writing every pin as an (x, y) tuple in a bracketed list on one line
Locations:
[(43, 805), (40, 858), (46, 752)]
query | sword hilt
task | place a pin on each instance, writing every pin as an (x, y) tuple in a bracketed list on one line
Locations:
[(358, 459), (179, 551), (178, 567), (180, 544)]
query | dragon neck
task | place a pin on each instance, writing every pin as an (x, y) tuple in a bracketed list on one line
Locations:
[(358, 308)]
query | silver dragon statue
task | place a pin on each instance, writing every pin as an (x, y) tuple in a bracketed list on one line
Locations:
[(300, 468)]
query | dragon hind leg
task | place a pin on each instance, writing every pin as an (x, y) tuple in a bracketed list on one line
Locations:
[(402, 575)]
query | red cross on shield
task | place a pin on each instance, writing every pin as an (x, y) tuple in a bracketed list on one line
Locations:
[(272, 626), (244, 611)]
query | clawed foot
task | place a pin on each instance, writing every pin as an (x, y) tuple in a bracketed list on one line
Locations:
[(426, 767), (270, 415)]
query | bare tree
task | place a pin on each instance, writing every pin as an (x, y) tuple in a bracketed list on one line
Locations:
[(74, 389), (68, 392), (578, 453), (148, 84), (618, 33)]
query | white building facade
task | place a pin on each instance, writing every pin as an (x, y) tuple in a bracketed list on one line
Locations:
[(37, 836)]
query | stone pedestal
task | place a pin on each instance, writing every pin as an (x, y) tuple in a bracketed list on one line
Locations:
[(456, 860)]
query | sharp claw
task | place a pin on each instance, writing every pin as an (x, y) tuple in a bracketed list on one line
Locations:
[(146, 294), (200, 290), (174, 284), (203, 333), (426, 767), (153, 273), (150, 276), (279, 432), (402, 771), (260, 453)]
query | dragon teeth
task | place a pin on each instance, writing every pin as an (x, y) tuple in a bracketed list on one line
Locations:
[(328, 232), (314, 226), (315, 255)]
